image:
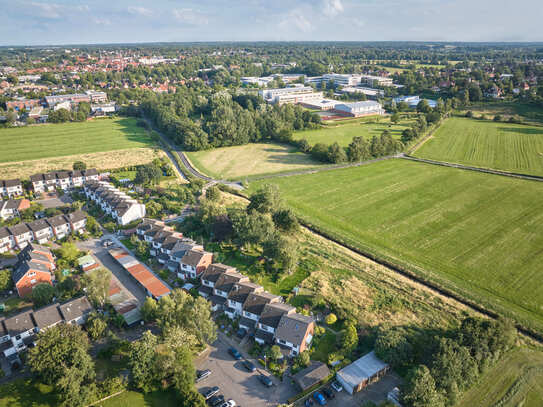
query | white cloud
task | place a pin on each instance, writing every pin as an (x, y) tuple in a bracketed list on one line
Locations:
[(47, 10), (101, 21), (140, 11), (332, 8), (296, 19), (190, 16)]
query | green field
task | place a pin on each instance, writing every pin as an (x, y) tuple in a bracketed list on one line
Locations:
[(250, 159), (502, 146), (343, 133), (56, 140), (480, 235), (516, 380), (137, 399), (529, 112)]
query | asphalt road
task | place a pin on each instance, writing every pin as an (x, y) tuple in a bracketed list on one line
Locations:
[(236, 383)]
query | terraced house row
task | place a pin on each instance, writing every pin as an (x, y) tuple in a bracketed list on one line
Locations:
[(11, 187), (41, 230), (18, 332), (62, 179), (120, 206)]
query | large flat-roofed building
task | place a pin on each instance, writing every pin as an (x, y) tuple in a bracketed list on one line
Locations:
[(369, 92), (321, 104), (342, 79), (75, 98), (358, 109), (373, 80), (294, 94)]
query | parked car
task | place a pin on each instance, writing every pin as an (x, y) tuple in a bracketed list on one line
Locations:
[(319, 398), (308, 402), (234, 352), (265, 380), (216, 400), (229, 403), (249, 366), (241, 332), (202, 374), (211, 392), (328, 393), (337, 386), (107, 242)]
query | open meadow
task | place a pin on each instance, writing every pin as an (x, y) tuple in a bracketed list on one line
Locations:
[(250, 159), (344, 132), (502, 146), (516, 380), (528, 111), (477, 234), (57, 140)]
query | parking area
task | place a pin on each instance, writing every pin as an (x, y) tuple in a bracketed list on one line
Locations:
[(52, 200), (236, 383)]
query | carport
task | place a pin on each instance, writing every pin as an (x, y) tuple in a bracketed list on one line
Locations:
[(362, 372)]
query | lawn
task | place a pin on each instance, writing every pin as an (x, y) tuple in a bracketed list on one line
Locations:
[(137, 399), (516, 380), (251, 159), (56, 140), (343, 133), (475, 233), (502, 146), (25, 393)]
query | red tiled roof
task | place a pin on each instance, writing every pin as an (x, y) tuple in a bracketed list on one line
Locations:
[(148, 280)]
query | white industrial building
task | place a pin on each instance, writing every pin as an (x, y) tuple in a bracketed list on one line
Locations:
[(369, 92), (342, 79), (294, 94), (358, 109)]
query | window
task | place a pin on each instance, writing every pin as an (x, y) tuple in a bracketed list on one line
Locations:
[(31, 274), (33, 281)]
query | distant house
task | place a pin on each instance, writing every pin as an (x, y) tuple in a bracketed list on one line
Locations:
[(42, 230), (295, 331), (269, 321), (210, 276), (11, 188), (254, 306), (60, 226), (194, 263), (13, 207), (222, 288), (237, 296), (76, 311), (362, 372), (35, 266), (22, 235)]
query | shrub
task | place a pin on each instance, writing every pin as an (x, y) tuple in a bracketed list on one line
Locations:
[(331, 319)]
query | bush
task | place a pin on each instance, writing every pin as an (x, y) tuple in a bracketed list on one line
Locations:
[(331, 319)]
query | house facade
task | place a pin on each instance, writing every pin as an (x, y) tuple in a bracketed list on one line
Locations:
[(11, 188), (62, 179), (35, 266), (115, 203)]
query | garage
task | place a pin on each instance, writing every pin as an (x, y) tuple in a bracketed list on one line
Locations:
[(361, 373)]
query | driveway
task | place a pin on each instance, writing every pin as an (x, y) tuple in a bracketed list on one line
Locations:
[(95, 246), (54, 201), (235, 382)]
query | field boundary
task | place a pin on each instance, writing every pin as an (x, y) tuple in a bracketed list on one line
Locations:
[(414, 277)]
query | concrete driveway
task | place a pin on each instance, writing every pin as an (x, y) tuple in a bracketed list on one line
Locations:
[(235, 382)]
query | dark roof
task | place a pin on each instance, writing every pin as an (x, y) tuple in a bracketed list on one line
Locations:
[(4, 232), (214, 271), (265, 336), (11, 204), (25, 266), (90, 171), (36, 177), (58, 220), (76, 174), (77, 216), (255, 302), (49, 176), (47, 316), (293, 327), (75, 308), (12, 182), (18, 229), (181, 247), (241, 290), (38, 225), (311, 375), (272, 313), (205, 290), (19, 323), (226, 281), (247, 322), (63, 174), (217, 300)]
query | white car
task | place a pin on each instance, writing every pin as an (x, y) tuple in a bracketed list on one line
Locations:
[(229, 403), (337, 386)]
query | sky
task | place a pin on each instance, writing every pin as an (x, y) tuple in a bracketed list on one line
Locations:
[(39, 22)]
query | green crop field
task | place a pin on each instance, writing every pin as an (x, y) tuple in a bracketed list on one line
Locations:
[(516, 380), (56, 140), (250, 159), (502, 146), (343, 133), (475, 233)]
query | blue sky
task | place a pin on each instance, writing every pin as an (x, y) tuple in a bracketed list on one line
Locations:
[(98, 21)]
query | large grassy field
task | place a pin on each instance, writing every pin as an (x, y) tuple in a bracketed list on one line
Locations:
[(502, 146), (529, 111), (250, 159), (56, 140), (478, 234), (516, 380), (343, 133)]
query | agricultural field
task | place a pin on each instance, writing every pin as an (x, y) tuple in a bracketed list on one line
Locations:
[(502, 146), (104, 160), (477, 234), (344, 132), (57, 140), (251, 159), (528, 111), (516, 380)]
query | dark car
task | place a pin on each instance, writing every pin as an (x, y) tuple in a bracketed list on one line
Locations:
[(234, 352), (202, 374), (328, 393), (265, 380), (319, 398), (216, 400), (241, 332), (308, 402), (211, 392), (249, 366)]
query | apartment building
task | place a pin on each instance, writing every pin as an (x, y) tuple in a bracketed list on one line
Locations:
[(293, 94), (121, 207)]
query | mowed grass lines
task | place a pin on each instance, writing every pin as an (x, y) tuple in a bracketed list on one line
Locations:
[(251, 159), (343, 133), (478, 234), (56, 140), (502, 146)]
